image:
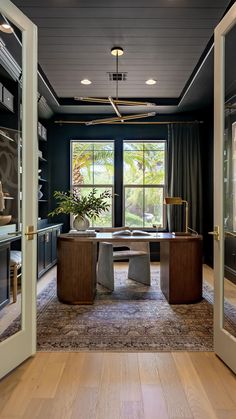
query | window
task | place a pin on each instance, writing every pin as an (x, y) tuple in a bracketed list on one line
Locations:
[(92, 166), (144, 183), (144, 171)]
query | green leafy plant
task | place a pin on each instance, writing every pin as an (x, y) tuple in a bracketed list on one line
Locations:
[(91, 205)]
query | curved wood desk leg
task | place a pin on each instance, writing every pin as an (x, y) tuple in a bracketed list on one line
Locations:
[(76, 271), (181, 271)]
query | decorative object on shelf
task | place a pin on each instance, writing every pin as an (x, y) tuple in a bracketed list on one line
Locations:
[(117, 51), (5, 219), (80, 206), (174, 200), (40, 193)]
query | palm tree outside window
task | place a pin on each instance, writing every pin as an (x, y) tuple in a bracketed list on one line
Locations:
[(92, 166)]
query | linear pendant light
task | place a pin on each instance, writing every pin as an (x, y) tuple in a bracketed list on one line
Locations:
[(117, 51)]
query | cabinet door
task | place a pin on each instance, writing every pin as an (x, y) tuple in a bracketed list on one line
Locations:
[(48, 248), (55, 233), (4, 275), (230, 258), (41, 253)]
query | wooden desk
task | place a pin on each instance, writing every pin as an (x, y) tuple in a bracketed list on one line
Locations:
[(180, 266)]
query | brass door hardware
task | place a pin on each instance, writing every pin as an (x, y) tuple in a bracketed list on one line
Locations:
[(14, 233), (30, 232), (215, 233)]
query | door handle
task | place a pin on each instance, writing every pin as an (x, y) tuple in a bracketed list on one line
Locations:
[(30, 232), (14, 233), (215, 233)]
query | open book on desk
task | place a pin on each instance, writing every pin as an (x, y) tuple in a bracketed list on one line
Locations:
[(131, 233)]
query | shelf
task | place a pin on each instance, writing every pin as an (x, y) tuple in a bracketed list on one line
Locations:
[(43, 171)]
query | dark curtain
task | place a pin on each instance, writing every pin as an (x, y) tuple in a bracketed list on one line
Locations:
[(184, 175)]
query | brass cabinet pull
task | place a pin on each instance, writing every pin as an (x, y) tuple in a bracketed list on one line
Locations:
[(47, 237)]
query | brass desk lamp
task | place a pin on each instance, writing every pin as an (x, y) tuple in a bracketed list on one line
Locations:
[(179, 201)]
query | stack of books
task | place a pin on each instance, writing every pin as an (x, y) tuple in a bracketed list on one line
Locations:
[(89, 233)]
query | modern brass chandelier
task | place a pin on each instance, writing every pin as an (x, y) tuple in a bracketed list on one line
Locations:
[(117, 51)]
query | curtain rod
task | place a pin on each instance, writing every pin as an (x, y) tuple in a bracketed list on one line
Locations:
[(61, 122)]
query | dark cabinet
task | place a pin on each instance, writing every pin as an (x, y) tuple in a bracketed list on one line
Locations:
[(230, 258), (55, 234), (41, 253), (4, 275), (47, 249)]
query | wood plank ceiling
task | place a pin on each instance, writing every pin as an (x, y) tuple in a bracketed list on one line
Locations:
[(162, 39)]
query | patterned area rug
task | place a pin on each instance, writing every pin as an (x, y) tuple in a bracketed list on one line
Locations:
[(132, 318)]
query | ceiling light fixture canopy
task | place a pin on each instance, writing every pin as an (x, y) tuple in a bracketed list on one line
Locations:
[(117, 52)]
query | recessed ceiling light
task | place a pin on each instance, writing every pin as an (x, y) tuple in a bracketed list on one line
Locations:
[(5, 27), (86, 81), (150, 82)]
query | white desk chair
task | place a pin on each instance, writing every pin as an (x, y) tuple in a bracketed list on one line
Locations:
[(138, 255)]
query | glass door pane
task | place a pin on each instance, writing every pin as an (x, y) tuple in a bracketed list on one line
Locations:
[(224, 189), (10, 185), (230, 186), (18, 187)]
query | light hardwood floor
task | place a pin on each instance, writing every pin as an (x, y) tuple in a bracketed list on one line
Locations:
[(96, 385), (119, 385)]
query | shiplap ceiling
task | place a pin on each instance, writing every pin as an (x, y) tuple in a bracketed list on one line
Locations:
[(162, 39)]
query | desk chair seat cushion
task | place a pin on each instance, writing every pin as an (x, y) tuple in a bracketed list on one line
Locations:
[(126, 254)]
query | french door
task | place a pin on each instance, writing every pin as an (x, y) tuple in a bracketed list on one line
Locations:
[(225, 189), (18, 176)]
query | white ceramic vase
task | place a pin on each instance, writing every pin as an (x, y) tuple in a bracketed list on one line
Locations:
[(80, 223)]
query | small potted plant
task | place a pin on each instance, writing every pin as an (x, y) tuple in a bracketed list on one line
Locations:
[(81, 206)]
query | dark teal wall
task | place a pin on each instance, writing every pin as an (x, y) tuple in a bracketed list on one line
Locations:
[(59, 137)]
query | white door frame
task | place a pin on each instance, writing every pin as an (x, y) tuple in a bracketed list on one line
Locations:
[(22, 345), (224, 342)]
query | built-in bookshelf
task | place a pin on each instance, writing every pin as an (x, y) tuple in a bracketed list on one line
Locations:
[(43, 172)]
